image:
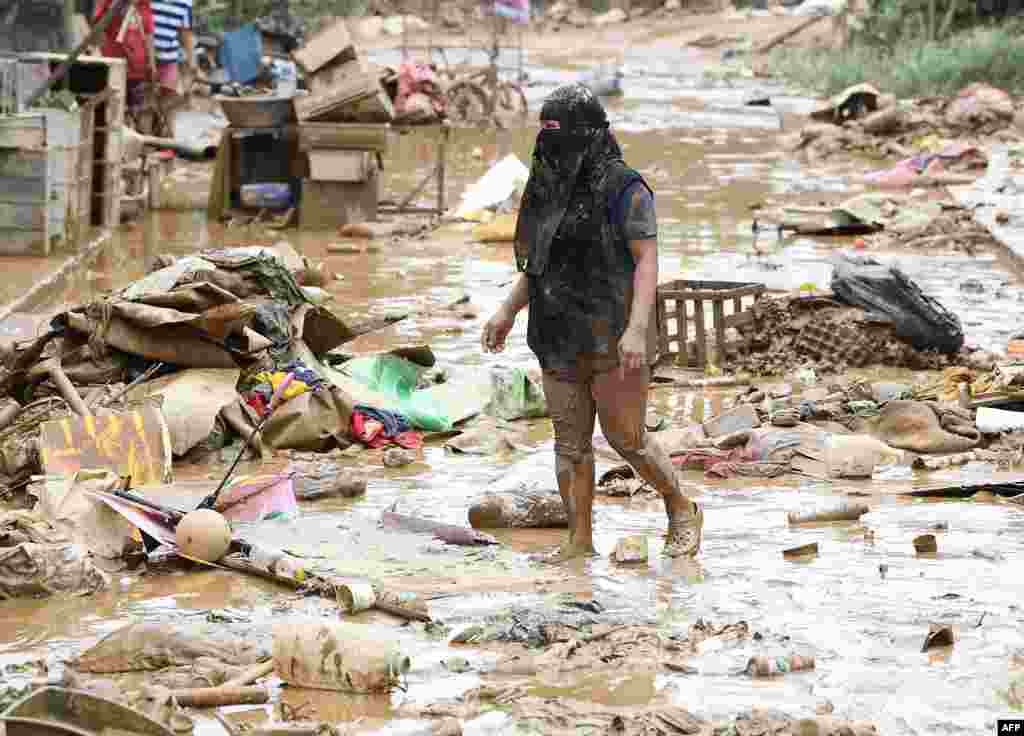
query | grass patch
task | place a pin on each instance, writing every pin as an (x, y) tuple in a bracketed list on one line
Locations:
[(911, 69)]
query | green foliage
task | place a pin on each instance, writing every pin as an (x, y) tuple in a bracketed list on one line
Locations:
[(994, 56)]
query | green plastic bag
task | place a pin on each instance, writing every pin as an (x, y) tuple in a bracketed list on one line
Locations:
[(397, 377)]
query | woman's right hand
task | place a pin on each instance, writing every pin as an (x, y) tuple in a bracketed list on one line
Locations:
[(496, 331)]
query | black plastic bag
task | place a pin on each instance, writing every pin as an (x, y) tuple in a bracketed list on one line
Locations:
[(887, 295)]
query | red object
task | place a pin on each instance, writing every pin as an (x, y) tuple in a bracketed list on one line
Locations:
[(859, 244), (258, 404), (371, 433), (132, 47)]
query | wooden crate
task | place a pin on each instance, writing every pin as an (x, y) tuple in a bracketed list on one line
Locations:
[(327, 205), (39, 206), (105, 80), (702, 304), (332, 44)]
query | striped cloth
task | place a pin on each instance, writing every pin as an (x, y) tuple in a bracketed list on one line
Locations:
[(170, 17)]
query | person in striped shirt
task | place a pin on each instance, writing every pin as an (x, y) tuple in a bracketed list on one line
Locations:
[(173, 21)]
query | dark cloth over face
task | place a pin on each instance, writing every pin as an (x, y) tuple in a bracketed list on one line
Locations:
[(574, 141), (578, 261)]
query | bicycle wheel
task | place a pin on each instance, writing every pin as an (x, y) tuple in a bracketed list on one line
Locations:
[(510, 100), (466, 102)]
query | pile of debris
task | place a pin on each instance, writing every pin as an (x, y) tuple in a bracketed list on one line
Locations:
[(863, 120), (872, 315), (819, 332)]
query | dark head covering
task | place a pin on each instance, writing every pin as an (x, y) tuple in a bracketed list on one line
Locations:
[(574, 148)]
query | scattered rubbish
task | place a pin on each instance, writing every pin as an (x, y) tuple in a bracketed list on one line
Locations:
[(499, 185), (735, 420), (515, 395), (521, 508), (886, 473), (926, 427), (852, 103), (362, 662), (457, 665), (926, 544), (890, 296), (774, 666), (857, 456), (313, 484), (148, 647), (448, 533), (631, 550), (844, 512), (356, 597), (39, 570), (397, 457), (939, 635), (53, 711), (990, 555), (995, 421), (216, 697), (203, 535), (801, 552)]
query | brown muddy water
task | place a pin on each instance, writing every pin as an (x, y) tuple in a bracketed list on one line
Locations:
[(862, 607)]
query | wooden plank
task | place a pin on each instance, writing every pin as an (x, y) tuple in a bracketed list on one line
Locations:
[(358, 99), (674, 293), (342, 136), (23, 216), (22, 242), (22, 131), (327, 205), (718, 312), (348, 166), (702, 338), (334, 74), (23, 164), (682, 331), (663, 332), (333, 43)]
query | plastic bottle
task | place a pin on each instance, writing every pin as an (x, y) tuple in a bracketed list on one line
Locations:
[(328, 655)]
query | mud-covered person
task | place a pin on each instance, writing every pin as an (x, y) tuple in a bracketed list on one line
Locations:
[(587, 251)]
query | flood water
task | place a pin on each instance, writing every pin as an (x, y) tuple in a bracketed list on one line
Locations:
[(862, 608)]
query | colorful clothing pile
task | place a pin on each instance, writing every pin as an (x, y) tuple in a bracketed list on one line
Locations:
[(378, 428), (258, 389)]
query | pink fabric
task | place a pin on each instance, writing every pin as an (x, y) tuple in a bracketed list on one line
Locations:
[(254, 497), (416, 78), (168, 75)]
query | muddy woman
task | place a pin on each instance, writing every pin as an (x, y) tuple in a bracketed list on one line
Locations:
[(586, 247)]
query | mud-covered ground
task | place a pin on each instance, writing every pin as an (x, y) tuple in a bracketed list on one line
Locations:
[(861, 608)]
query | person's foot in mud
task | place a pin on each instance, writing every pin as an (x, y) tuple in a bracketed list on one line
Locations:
[(685, 527)]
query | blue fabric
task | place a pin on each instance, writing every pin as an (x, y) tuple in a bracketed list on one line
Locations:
[(618, 214), (394, 424), (241, 54)]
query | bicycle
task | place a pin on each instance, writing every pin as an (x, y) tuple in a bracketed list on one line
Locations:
[(481, 95)]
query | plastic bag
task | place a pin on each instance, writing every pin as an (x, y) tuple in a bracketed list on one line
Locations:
[(515, 395), (887, 295)]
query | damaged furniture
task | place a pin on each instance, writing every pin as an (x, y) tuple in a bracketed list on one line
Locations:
[(60, 170)]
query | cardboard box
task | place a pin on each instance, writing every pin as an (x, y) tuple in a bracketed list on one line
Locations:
[(332, 44), (327, 205), (346, 166)]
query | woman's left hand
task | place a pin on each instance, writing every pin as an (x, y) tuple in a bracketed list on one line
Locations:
[(632, 350)]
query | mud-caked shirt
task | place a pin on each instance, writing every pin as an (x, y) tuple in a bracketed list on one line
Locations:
[(579, 306)]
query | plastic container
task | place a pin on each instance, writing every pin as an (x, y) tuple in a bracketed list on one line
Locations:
[(269, 196), (324, 655)]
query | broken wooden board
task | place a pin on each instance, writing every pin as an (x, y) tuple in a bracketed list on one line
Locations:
[(359, 98), (343, 166), (332, 44), (135, 444)]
